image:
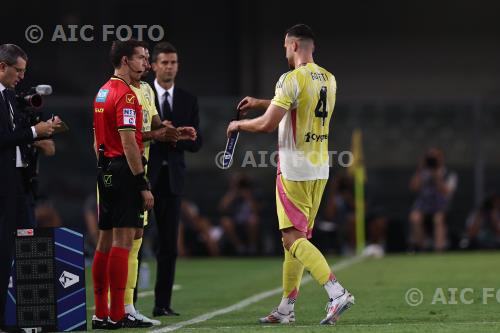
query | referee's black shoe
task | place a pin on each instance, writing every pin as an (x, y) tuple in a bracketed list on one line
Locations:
[(98, 323), (128, 321)]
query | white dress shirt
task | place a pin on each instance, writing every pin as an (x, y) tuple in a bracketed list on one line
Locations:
[(160, 93), (19, 160)]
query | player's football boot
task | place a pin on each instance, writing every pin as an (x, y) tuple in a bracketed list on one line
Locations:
[(335, 307), (276, 317), (142, 318), (128, 321)]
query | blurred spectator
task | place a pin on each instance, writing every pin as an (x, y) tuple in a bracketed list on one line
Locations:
[(338, 217), (483, 226), (337, 230), (240, 217), (46, 215), (434, 186), (376, 231), (196, 234), (90, 216)]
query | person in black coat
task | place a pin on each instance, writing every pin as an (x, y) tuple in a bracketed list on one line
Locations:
[(15, 134), (167, 169)]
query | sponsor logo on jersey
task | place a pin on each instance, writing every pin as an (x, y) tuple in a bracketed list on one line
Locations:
[(315, 137), (128, 117), (129, 98), (102, 95)]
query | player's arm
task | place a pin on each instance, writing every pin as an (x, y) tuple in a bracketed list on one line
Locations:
[(251, 103), (131, 150), (126, 121), (284, 96), (134, 160), (156, 122), (160, 132), (268, 122)]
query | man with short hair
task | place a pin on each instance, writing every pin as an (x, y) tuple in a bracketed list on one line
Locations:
[(124, 191), (302, 108), (167, 169), (15, 134), (152, 130)]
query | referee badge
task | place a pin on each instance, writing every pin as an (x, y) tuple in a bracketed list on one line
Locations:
[(107, 180)]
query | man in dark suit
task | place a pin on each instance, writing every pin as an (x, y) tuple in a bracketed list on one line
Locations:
[(15, 134), (167, 169)]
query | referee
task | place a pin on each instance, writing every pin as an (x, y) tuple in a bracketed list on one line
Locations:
[(124, 191)]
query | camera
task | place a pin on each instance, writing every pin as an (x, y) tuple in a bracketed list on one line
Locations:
[(31, 100), (28, 103)]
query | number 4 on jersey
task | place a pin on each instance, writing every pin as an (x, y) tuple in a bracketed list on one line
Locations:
[(320, 110)]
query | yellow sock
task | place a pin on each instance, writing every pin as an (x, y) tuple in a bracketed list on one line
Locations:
[(133, 264), (312, 259), (292, 275)]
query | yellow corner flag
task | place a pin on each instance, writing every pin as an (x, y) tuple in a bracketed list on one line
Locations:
[(357, 171)]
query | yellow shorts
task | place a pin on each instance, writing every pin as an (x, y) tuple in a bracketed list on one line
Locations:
[(297, 203)]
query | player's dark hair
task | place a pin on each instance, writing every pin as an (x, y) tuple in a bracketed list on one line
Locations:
[(163, 47), (301, 31), (121, 49), (10, 52)]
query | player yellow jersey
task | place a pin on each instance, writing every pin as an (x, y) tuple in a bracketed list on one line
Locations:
[(146, 98), (308, 93)]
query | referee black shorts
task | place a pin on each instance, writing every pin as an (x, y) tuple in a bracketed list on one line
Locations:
[(120, 202)]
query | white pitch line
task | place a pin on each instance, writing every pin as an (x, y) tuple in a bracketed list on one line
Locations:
[(248, 301)]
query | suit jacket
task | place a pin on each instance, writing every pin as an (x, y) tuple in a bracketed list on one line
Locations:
[(185, 112), (9, 139)]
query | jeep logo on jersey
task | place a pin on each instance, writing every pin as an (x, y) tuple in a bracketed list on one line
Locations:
[(315, 137), (68, 279), (129, 98)]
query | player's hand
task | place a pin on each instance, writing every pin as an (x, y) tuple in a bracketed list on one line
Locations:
[(148, 199), (167, 123), (232, 127), (44, 129), (187, 133), (246, 104), (167, 134)]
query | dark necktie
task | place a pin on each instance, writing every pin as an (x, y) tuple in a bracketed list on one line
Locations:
[(166, 110)]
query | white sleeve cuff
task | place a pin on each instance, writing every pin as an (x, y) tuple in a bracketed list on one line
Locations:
[(34, 132)]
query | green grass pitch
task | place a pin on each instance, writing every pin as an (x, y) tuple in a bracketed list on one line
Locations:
[(379, 285)]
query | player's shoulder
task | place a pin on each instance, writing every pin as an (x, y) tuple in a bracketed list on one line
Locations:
[(119, 87), (286, 77), (145, 86)]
